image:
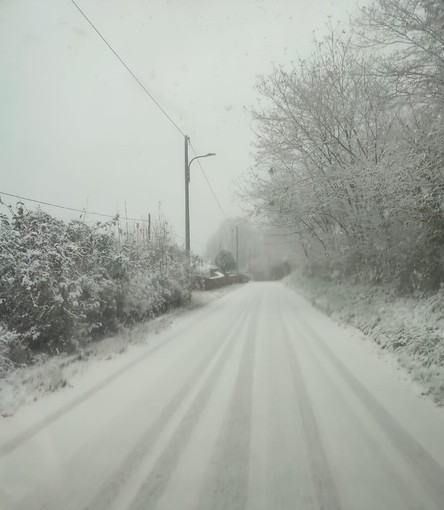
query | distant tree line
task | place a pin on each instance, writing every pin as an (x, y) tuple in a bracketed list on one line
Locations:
[(350, 148), (262, 255)]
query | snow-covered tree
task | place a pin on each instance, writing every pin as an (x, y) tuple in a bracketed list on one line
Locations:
[(348, 165), (411, 35), (225, 261)]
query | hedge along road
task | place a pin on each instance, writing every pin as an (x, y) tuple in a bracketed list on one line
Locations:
[(257, 401)]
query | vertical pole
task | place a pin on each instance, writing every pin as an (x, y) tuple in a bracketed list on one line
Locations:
[(249, 262), (187, 197), (149, 227), (237, 249), (127, 229)]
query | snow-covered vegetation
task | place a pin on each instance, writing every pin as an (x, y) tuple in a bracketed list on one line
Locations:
[(350, 148), (225, 261), (64, 284)]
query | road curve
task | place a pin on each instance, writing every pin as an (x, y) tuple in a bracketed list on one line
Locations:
[(256, 402)]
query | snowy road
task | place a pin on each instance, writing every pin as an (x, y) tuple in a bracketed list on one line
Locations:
[(257, 401)]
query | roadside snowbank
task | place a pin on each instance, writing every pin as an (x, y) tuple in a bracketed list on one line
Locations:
[(412, 327), (28, 384)]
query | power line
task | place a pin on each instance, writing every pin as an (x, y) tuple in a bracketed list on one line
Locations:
[(128, 69), (149, 95), (62, 206), (82, 211), (208, 182)]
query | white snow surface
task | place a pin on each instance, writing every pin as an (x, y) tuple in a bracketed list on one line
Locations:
[(256, 401), (412, 327)]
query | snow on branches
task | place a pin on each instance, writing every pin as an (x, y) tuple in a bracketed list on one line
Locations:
[(349, 150), (63, 284)]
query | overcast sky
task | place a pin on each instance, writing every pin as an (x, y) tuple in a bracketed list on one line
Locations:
[(76, 128)]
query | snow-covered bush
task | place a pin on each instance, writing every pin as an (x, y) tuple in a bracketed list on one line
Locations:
[(63, 284), (9, 349), (225, 261), (37, 289)]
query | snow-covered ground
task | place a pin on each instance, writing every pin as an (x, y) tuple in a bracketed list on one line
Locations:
[(255, 401), (28, 384), (412, 326)]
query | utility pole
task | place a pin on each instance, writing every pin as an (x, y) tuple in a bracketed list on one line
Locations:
[(237, 249), (149, 227), (187, 197), (187, 191)]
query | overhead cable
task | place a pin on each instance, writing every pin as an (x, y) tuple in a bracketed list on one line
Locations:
[(208, 182), (128, 69), (63, 207), (82, 211), (149, 95)]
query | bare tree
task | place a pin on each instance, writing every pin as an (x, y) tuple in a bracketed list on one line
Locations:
[(411, 34)]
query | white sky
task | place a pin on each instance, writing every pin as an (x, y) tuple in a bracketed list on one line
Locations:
[(75, 127)]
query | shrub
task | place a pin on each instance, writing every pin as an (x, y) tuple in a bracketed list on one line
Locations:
[(63, 284)]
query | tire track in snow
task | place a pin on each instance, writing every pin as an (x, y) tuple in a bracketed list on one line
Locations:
[(426, 467), (410, 501), (104, 499), (151, 491), (325, 487), (226, 483), (24, 436), (288, 464)]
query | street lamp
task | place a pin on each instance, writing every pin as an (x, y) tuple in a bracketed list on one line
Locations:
[(187, 190)]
